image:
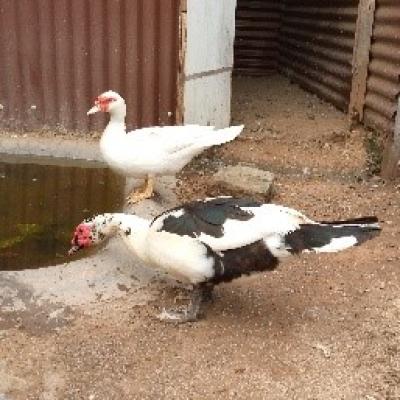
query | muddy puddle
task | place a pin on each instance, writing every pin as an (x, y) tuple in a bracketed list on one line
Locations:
[(42, 200)]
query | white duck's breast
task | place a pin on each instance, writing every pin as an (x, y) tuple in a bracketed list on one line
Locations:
[(130, 160), (182, 257)]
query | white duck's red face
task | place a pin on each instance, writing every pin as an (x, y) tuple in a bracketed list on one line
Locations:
[(83, 237), (106, 102)]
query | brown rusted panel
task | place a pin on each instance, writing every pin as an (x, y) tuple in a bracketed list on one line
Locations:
[(256, 39), (11, 65), (47, 66), (149, 61), (98, 58), (58, 55), (383, 85), (133, 53), (169, 33), (30, 74), (80, 52), (64, 66), (316, 46)]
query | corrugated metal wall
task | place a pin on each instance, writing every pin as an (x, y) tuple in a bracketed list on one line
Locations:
[(257, 32), (316, 47), (383, 85), (57, 55)]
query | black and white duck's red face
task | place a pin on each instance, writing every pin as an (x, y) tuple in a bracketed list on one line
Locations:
[(82, 238), (106, 102)]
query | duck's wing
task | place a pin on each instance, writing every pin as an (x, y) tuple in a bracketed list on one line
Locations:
[(225, 223), (170, 138)]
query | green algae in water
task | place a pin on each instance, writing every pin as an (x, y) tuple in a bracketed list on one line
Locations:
[(25, 232), (41, 204)]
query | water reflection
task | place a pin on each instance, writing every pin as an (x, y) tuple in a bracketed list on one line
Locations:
[(41, 202)]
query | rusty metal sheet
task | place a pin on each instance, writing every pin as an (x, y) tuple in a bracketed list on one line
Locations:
[(257, 31), (310, 41), (57, 55), (383, 85), (316, 46)]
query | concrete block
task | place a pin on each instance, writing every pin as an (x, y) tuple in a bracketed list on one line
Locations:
[(243, 180)]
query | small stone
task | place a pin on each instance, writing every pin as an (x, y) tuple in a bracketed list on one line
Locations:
[(327, 146), (243, 180), (310, 116), (306, 171), (325, 349), (311, 313), (376, 178)]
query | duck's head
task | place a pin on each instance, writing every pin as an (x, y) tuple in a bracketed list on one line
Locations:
[(109, 101), (86, 235)]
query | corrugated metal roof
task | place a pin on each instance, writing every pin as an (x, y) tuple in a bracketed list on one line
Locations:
[(58, 55), (383, 85), (256, 42), (316, 47)]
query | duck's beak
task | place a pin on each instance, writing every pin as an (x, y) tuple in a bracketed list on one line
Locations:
[(73, 249), (94, 109)]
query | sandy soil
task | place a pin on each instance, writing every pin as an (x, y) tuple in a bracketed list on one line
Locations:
[(320, 327)]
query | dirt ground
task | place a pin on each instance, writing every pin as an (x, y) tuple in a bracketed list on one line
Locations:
[(320, 327)]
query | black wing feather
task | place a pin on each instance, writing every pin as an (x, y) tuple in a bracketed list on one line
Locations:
[(207, 216)]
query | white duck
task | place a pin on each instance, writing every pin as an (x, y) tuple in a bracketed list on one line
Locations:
[(206, 242), (148, 152)]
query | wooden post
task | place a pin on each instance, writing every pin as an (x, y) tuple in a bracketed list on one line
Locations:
[(180, 106), (391, 160), (360, 63)]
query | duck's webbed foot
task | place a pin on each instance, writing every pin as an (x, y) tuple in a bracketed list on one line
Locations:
[(199, 294), (144, 192)]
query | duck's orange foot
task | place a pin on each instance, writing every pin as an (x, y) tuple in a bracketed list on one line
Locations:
[(143, 193)]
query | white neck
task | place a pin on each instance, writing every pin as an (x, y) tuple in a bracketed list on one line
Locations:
[(112, 141), (111, 223), (115, 127), (133, 230), (118, 114)]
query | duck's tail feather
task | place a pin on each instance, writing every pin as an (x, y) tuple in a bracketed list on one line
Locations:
[(221, 136), (328, 237)]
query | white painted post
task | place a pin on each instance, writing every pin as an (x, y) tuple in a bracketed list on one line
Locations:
[(210, 32)]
